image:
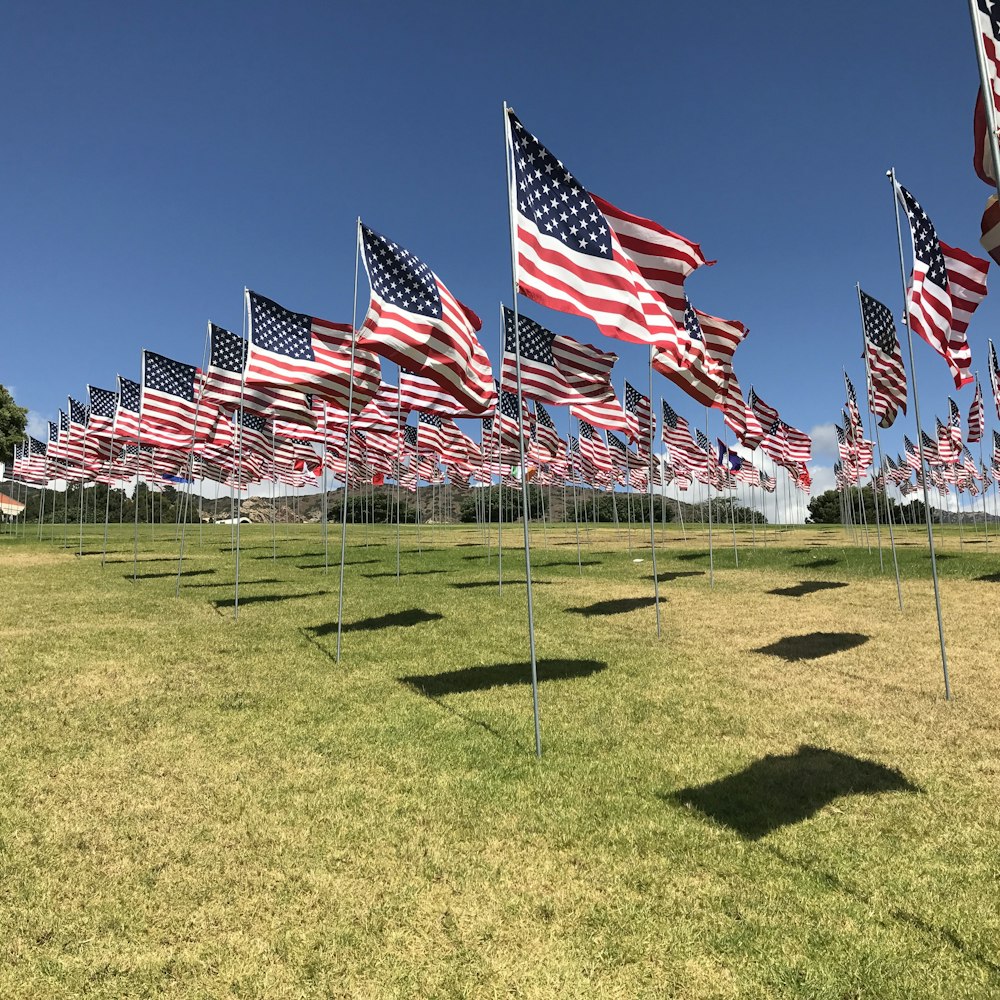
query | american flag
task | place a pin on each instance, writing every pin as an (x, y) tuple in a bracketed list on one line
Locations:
[(430, 435), (578, 254), (986, 24), (168, 404), (946, 286), (253, 434), (103, 403), (798, 444), (418, 392), (676, 435), (292, 350), (768, 483), (223, 383), (722, 337), (767, 415), (931, 453), (593, 449), (546, 439), (949, 435), (887, 387), (383, 413), (995, 377), (638, 416), (126, 424), (609, 416), (554, 368), (506, 423), (621, 456), (854, 414), (415, 321), (704, 378), (977, 416)]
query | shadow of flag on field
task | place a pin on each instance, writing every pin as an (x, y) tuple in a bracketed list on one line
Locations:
[(778, 791), (499, 675), (807, 587), (813, 645)]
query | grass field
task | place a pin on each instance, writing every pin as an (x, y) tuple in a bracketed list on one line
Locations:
[(773, 800)]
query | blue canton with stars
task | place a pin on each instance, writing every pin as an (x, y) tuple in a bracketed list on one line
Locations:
[(102, 402), (926, 247), (278, 330), (548, 194), (429, 418), (692, 325), (669, 415), (543, 416), (128, 394), (229, 352), (78, 413), (535, 340), (172, 377), (878, 324), (399, 277), (54, 431)]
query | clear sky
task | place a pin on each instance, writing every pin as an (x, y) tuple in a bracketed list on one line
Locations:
[(158, 158)]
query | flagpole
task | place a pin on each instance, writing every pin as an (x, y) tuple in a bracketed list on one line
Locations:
[(399, 456), (982, 434), (708, 493), (878, 445), (347, 452), (238, 503), (520, 435), (924, 469), (107, 498), (183, 511), (652, 520)]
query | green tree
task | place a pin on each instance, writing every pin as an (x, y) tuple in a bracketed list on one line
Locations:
[(13, 420)]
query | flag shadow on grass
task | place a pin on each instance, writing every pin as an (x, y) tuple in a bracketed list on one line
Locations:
[(667, 575), (405, 572), (616, 607), (163, 576), (335, 563), (813, 645), (691, 556), (780, 790), (806, 587), (499, 675), (817, 563), (229, 583), (268, 598), (395, 619), (478, 584), (988, 578)]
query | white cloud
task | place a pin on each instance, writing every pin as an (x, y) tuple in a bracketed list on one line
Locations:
[(38, 426), (824, 438)]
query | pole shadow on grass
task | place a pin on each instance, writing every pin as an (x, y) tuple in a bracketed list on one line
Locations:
[(394, 619), (813, 645), (171, 575), (836, 884), (268, 598), (806, 587), (618, 606), (780, 790), (499, 675)]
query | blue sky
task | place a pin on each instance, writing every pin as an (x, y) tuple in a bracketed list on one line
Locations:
[(157, 159)]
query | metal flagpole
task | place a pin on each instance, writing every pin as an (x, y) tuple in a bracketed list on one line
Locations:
[(652, 520), (878, 445), (239, 461), (573, 478), (347, 450), (924, 471), (107, 501), (708, 493), (325, 506), (520, 431), (982, 434), (399, 456), (183, 507), (135, 504)]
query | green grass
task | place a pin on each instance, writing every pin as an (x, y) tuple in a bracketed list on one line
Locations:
[(772, 800)]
